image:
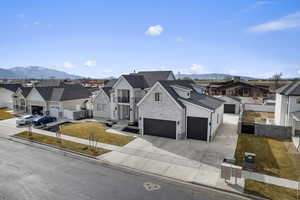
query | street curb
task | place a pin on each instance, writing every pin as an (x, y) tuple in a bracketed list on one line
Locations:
[(52, 146), (94, 159)]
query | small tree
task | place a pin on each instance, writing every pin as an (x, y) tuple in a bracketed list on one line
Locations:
[(29, 132), (276, 78), (58, 135), (92, 141)]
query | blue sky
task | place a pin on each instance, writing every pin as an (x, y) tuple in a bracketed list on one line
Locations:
[(102, 38)]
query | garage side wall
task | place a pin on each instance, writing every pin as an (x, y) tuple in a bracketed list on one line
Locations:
[(166, 109), (217, 120), (229, 100)]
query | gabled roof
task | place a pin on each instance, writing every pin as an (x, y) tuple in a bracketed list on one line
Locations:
[(25, 91), (11, 87), (136, 81), (291, 89), (107, 91), (152, 77), (65, 92), (196, 98)]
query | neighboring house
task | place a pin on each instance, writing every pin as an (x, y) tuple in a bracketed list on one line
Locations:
[(59, 102), (129, 89), (237, 88), (7, 93), (174, 109), (19, 100), (287, 108), (232, 104), (101, 103)]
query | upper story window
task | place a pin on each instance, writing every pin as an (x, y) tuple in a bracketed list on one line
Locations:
[(298, 100), (157, 96)]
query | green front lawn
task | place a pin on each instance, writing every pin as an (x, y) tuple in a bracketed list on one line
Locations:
[(272, 156), (5, 115), (85, 129), (77, 147), (270, 191)]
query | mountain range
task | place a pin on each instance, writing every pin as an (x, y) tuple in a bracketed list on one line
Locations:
[(35, 72), (213, 76), (38, 72)]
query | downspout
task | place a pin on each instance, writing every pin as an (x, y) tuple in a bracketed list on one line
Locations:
[(210, 125)]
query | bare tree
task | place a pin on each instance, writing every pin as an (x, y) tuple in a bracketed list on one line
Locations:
[(29, 132), (93, 141), (58, 135), (276, 78)]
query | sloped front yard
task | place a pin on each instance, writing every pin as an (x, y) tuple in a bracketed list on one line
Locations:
[(5, 115), (269, 191), (272, 156), (85, 130), (73, 146)]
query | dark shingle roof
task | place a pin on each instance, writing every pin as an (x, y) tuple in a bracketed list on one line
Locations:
[(11, 87), (195, 97), (152, 77), (291, 89), (64, 93), (25, 91), (107, 90), (136, 81), (49, 83)]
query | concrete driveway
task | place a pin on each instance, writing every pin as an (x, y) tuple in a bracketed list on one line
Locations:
[(188, 160)]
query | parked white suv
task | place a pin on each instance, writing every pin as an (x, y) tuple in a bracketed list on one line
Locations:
[(27, 119)]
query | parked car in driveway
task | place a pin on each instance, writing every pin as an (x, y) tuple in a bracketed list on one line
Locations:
[(24, 120), (43, 120)]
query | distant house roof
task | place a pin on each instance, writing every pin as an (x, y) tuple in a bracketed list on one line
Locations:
[(229, 96), (49, 83), (11, 87), (233, 83), (152, 77), (110, 83), (136, 81), (64, 92), (196, 98), (291, 89)]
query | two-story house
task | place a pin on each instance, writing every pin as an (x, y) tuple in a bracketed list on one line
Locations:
[(287, 108), (175, 109), (129, 89)]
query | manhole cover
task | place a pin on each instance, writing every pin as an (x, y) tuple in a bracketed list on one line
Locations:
[(151, 186)]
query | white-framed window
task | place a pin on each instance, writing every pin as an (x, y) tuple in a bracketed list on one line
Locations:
[(157, 96), (298, 100), (217, 118), (100, 107)]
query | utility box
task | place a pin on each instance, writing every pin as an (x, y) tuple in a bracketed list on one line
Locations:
[(249, 160), (226, 171)]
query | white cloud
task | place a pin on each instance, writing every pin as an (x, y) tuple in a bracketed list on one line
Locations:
[(90, 63), (298, 72), (154, 30), (257, 5), (194, 69), (36, 23), (283, 23), (179, 39), (68, 65)]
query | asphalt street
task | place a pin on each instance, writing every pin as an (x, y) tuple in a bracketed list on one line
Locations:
[(31, 173)]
